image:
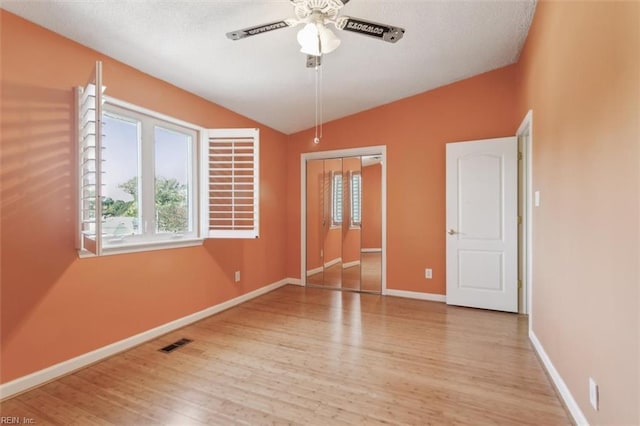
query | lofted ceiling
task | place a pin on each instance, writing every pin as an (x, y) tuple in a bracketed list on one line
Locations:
[(265, 77)]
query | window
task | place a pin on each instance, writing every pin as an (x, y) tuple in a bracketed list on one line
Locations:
[(139, 183), (148, 177), (120, 176), (355, 184), (336, 199), (174, 212)]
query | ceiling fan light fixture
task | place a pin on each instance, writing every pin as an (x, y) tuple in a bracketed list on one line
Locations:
[(316, 39), (328, 40), (309, 37)]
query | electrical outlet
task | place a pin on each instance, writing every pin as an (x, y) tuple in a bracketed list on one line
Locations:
[(428, 273), (593, 393), (237, 276)]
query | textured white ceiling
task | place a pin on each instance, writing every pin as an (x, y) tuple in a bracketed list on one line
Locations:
[(264, 77)]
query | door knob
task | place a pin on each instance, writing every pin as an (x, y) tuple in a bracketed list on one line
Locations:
[(451, 232)]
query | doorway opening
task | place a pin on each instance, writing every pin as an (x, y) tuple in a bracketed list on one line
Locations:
[(343, 222)]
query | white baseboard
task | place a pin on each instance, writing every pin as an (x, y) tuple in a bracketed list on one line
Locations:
[(561, 386), (350, 264), (330, 264), (315, 271), (371, 250), (416, 295), (295, 281), (326, 265), (333, 262), (48, 374)]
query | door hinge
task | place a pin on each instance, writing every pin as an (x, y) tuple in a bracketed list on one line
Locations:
[(519, 155), (519, 220), (519, 284)]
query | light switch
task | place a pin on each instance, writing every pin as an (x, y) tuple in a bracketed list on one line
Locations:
[(536, 198)]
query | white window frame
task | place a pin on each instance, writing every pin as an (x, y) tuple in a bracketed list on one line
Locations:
[(150, 240), (149, 121)]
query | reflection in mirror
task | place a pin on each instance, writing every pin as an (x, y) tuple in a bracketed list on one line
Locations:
[(336, 199), (355, 186), (371, 224), (315, 220), (351, 223), (344, 223), (332, 232)]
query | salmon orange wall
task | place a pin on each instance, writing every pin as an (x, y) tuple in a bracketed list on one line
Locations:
[(580, 74), (372, 206), (56, 306), (315, 206), (415, 131)]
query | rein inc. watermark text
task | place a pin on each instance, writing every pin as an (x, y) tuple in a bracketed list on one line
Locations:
[(17, 420)]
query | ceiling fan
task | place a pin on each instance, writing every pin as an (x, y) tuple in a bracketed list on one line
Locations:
[(315, 38)]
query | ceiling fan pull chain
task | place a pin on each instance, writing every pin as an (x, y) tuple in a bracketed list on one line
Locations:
[(316, 139), (321, 104)]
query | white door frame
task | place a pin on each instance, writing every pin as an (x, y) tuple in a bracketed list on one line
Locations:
[(525, 134), (323, 155)]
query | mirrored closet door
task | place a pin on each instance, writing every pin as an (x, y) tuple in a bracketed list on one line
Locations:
[(344, 223)]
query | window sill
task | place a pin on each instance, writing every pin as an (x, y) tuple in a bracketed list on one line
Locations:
[(144, 246)]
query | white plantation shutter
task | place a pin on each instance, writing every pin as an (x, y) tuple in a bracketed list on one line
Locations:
[(232, 161), (356, 198), (89, 108), (336, 198)]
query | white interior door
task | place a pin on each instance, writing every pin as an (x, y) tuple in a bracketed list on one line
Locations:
[(482, 224)]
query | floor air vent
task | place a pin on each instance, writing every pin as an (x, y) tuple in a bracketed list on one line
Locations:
[(175, 345)]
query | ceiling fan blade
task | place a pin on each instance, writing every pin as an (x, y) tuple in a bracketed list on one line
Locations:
[(372, 29), (261, 29)]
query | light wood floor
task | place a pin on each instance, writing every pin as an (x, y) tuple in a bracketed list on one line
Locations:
[(313, 356), (367, 276)]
